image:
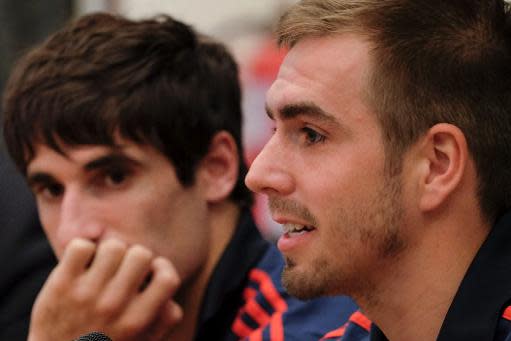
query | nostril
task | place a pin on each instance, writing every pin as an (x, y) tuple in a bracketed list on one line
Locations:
[(269, 191)]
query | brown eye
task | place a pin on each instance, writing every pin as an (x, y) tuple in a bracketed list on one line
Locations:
[(115, 177), (55, 189), (50, 191)]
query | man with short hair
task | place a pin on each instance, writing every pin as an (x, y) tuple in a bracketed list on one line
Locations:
[(129, 135), (390, 163)]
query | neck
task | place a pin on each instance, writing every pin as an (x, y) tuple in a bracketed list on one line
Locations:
[(223, 221), (412, 297)]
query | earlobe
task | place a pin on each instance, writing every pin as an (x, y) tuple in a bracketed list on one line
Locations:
[(218, 170), (445, 154)]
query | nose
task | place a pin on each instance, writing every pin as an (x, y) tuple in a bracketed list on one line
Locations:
[(79, 218), (269, 173)]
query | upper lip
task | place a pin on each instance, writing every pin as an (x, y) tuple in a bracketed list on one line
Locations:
[(280, 219)]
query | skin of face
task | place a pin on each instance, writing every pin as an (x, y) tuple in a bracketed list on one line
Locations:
[(324, 168), (129, 193)]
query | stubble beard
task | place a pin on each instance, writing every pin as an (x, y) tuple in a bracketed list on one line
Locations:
[(375, 227)]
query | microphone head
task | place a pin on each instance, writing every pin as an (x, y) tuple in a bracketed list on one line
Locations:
[(94, 336)]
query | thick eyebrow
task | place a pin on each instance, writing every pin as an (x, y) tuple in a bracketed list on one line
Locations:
[(308, 109), (114, 159), (39, 178)]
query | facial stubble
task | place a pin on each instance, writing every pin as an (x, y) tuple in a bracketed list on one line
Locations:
[(375, 227)]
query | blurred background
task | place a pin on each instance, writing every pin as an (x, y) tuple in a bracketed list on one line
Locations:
[(246, 26)]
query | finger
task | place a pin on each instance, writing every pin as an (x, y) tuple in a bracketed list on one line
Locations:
[(134, 268), (164, 281), (77, 257), (106, 263), (169, 316), (158, 292), (172, 313)]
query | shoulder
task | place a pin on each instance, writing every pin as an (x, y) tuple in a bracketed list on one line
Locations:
[(270, 312), (504, 327), (356, 329)]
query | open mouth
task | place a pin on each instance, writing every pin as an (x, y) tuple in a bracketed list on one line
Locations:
[(291, 230)]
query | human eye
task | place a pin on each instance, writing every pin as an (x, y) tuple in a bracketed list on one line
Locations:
[(111, 177), (48, 191), (116, 177), (311, 136)]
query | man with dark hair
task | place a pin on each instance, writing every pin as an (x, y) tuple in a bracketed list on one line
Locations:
[(129, 135), (390, 163)]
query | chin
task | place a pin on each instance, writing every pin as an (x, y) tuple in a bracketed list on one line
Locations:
[(301, 283)]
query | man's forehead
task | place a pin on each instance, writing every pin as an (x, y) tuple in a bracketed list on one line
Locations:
[(328, 54), (278, 95), (317, 68)]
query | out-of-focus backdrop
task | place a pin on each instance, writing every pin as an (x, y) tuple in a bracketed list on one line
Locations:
[(244, 25)]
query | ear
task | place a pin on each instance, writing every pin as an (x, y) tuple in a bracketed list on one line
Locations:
[(218, 170), (443, 162)]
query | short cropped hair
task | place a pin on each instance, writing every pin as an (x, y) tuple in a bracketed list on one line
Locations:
[(432, 61), (154, 81)]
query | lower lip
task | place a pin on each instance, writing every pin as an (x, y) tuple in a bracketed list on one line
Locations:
[(288, 242)]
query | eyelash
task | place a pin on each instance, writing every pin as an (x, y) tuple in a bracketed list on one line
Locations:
[(51, 190), (310, 136), (309, 140), (110, 174)]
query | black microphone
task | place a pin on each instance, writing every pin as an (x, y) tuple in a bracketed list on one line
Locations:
[(94, 336)]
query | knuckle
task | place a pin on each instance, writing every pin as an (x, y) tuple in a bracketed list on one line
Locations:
[(167, 279), (57, 281), (172, 314), (133, 325), (80, 245), (164, 265), (109, 306), (83, 294), (141, 252), (114, 246)]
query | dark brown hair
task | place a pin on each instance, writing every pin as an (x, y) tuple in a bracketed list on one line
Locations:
[(154, 82), (432, 61)]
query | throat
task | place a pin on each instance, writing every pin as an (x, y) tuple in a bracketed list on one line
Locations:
[(190, 299)]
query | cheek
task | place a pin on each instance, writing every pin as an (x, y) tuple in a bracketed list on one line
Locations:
[(333, 198), (343, 174), (144, 220), (51, 235), (174, 226), (348, 212), (49, 219)]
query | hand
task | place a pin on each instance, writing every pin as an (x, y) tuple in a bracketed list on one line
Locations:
[(124, 292)]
